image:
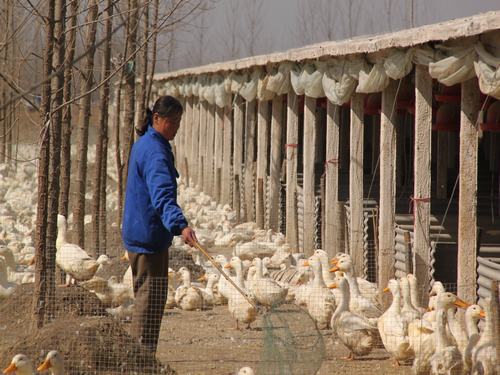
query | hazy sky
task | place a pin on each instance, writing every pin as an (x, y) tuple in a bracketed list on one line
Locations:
[(286, 24)]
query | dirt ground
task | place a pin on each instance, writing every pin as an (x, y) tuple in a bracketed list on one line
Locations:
[(201, 342)]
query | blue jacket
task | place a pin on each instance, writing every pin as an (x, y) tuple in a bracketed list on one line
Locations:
[(151, 215)]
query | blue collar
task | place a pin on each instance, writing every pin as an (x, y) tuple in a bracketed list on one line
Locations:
[(156, 134)]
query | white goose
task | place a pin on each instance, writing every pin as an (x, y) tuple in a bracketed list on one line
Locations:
[(6, 288), (240, 309), (20, 365), (209, 298), (320, 301), (367, 289), (393, 331), (408, 312), (472, 316), (415, 301), (71, 258), (359, 304), (446, 358), (353, 330), (266, 291), (54, 363), (187, 297), (484, 355)]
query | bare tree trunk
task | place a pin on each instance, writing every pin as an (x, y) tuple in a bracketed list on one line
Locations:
[(129, 89), (55, 152), (6, 91), (39, 296), (118, 158), (141, 98), (66, 120), (83, 124), (155, 46), (101, 145)]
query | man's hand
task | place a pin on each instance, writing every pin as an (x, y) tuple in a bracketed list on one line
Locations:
[(189, 236)]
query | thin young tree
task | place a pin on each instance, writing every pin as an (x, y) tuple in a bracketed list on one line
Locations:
[(253, 25), (41, 280), (154, 43), (55, 149), (83, 123), (100, 173), (143, 64), (67, 118)]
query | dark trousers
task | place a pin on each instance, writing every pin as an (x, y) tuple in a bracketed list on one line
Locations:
[(150, 276)]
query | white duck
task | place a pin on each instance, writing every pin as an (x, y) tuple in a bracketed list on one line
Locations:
[(172, 286), (472, 316), (71, 258), (367, 289), (6, 288), (187, 297), (20, 365), (393, 331), (265, 290), (359, 303), (246, 371), (408, 312), (239, 308), (320, 301), (446, 358), (54, 362), (415, 301), (209, 298), (353, 330), (484, 355)]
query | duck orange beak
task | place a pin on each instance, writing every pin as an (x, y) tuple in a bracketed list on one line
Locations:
[(385, 290), (461, 303), (228, 266), (9, 370), (203, 278), (44, 366), (31, 262), (482, 314), (334, 261), (306, 263), (334, 269), (429, 309), (124, 257), (332, 286)]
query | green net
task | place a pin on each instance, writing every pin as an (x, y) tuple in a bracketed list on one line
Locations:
[(292, 343)]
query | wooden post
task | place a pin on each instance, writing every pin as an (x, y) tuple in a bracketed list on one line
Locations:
[(209, 155), (356, 183), (218, 151), (495, 317), (202, 143), (250, 133), (227, 179), (238, 153), (275, 165), (262, 157), (309, 175), (193, 139), (422, 178), (332, 224), (467, 187), (387, 187), (291, 148), (186, 139), (442, 166)]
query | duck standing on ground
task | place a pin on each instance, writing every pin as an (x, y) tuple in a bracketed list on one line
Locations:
[(20, 365), (353, 330)]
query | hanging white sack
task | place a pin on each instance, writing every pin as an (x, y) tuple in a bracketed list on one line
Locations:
[(456, 67), (338, 81), (279, 80), (208, 92), (188, 88), (372, 80), (196, 86), (249, 89), (487, 69), (312, 77), (296, 79), (399, 63), (237, 81), (222, 98), (263, 94)]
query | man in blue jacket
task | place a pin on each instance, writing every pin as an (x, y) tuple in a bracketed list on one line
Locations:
[(152, 217)]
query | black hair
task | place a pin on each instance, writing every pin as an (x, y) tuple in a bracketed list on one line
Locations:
[(166, 106)]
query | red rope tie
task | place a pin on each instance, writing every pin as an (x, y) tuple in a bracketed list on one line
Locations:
[(413, 205), (329, 161), (292, 145)]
